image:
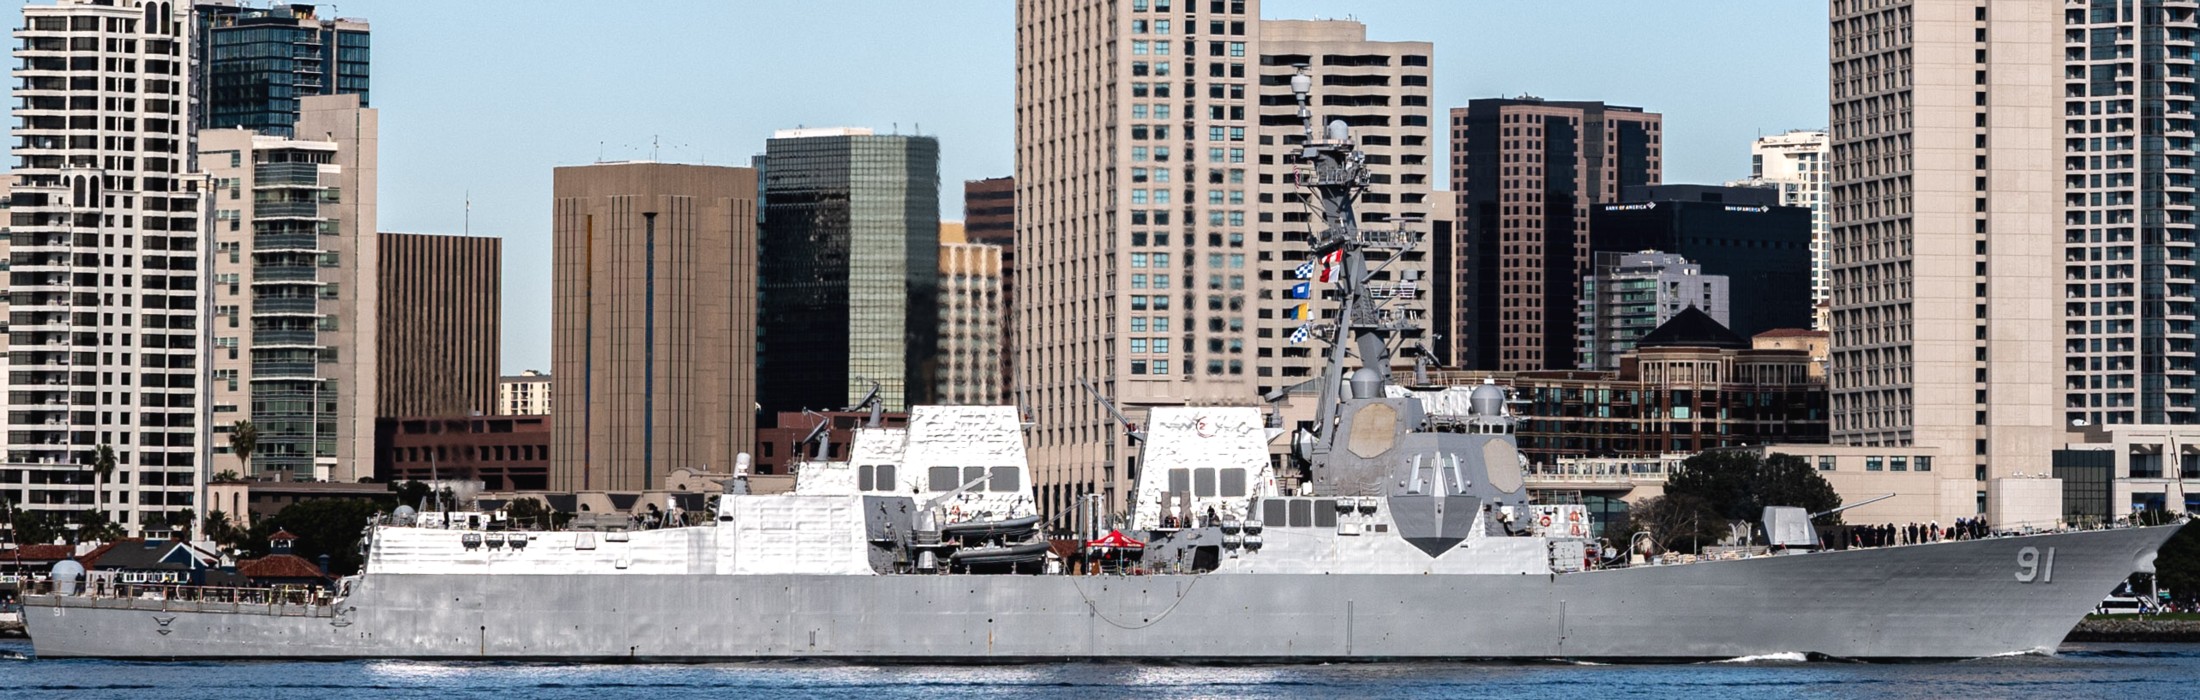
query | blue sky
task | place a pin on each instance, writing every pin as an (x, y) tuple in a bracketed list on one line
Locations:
[(486, 97)]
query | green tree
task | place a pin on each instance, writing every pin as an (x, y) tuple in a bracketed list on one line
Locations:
[(1676, 523), (30, 526), (103, 464), (2177, 566), (243, 438), (223, 532), (1737, 485), (532, 513), (226, 475), (330, 526), (410, 493), (95, 526), (181, 520)]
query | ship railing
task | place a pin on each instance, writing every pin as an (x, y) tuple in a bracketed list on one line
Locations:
[(304, 601)]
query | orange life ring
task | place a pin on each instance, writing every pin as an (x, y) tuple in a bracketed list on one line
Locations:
[(1546, 521), (1576, 530), (1574, 516)]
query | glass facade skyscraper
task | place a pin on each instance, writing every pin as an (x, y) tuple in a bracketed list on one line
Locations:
[(848, 269), (254, 63)]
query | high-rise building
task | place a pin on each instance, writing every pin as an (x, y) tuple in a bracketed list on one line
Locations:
[(1943, 196), (970, 318), (1135, 124), (1527, 171), (1449, 275), (1741, 233), (848, 271), (654, 323), (107, 333), (294, 294), (989, 217), (524, 394), (441, 315), (2129, 293), (1631, 294), (989, 210), (253, 66), (1794, 164), (1380, 89)]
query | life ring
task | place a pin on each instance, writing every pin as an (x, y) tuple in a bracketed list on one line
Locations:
[(1574, 516), (1545, 521), (1576, 530)]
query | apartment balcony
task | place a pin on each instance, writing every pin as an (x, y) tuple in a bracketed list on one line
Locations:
[(268, 176), (287, 210), (285, 370), (285, 306), (286, 338), (286, 242), (285, 274)]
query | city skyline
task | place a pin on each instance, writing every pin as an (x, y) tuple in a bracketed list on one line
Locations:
[(442, 106)]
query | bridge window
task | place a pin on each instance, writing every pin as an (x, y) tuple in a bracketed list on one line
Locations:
[(1004, 480), (1233, 483), (942, 479), (1203, 482)]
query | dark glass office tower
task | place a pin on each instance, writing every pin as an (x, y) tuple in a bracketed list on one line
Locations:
[(848, 269), (252, 64), (1743, 233)]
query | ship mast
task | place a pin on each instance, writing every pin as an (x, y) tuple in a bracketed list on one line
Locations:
[(1335, 171)]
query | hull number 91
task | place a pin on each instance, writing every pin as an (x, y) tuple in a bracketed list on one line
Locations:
[(2032, 567)]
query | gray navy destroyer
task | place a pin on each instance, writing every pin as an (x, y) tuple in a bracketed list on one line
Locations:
[(1412, 536)]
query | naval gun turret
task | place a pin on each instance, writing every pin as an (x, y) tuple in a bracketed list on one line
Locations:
[(1369, 442)]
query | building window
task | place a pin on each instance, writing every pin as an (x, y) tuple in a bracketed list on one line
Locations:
[(1825, 463), (1898, 464), (1924, 463), (1875, 464)]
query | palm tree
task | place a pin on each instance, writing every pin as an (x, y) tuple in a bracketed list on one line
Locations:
[(243, 437), (103, 467)]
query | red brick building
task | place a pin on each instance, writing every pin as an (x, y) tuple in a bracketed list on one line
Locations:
[(506, 453), (777, 448)]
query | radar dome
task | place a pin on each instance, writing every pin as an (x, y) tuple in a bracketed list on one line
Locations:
[(1487, 401), (65, 575)]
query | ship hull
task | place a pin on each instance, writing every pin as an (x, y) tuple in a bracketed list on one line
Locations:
[(1946, 600)]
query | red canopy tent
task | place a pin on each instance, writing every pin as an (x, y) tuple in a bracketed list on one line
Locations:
[(1115, 539)]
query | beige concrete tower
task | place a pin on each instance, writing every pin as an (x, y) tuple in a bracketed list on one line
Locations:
[(1944, 203), (654, 322), (971, 315), (1134, 159), (1380, 89), (295, 292)]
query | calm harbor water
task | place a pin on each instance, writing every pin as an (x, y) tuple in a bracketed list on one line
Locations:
[(2081, 671)]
